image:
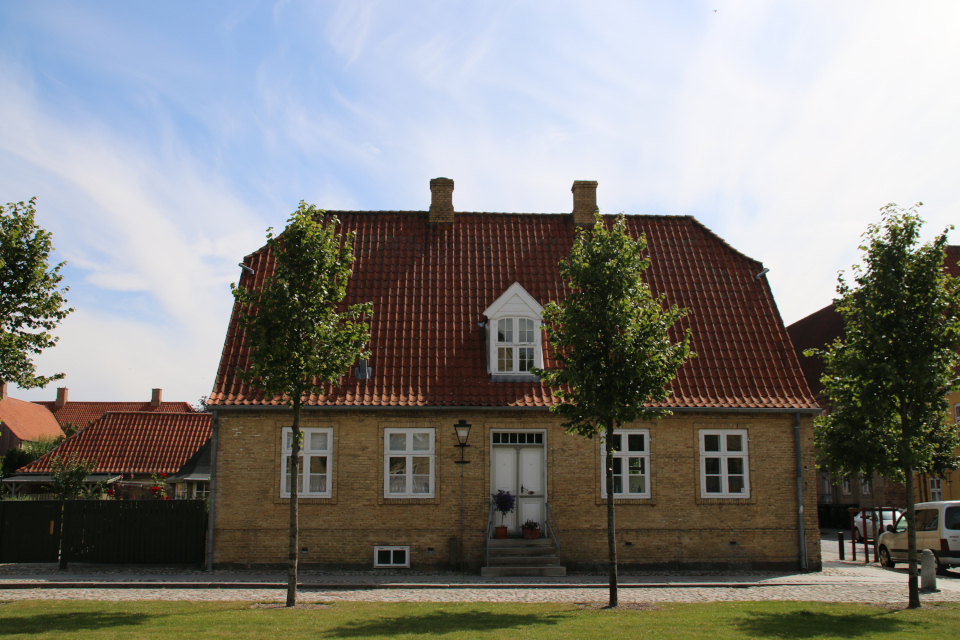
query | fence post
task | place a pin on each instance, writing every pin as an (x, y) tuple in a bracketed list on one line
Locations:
[(840, 540)]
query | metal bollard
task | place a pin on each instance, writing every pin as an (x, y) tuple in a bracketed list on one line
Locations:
[(928, 572), (840, 540)]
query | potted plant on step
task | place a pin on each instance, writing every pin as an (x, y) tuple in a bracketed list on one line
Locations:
[(530, 529), (503, 501)]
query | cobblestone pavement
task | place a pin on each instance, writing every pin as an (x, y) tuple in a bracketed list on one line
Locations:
[(838, 582)]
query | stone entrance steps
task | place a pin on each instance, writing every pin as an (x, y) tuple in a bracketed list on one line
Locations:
[(519, 557)]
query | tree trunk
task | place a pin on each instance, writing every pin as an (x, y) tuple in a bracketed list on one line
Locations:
[(912, 544), (294, 495), (611, 521)]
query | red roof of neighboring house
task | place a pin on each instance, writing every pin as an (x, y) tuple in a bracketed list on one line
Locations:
[(951, 261), (134, 442), (81, 414), (430, 284), (26, 420)]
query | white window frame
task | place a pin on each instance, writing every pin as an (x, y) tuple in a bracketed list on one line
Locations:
[(847, 487), (725, 456), (409, 453), (624, 466), (935, 486), (956, 412), (514, 305), (864, 487), (515, 343), (391, 549), (307, 453)]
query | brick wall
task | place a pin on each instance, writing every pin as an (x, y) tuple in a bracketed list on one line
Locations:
[(675, 527)]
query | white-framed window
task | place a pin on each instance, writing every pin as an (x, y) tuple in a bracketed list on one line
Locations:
[(396, 557), (516, 344), (936, 491), (514, 334), (408, 463), (631, 464), (864, 487), (847, 486), (956, 412), (314, 463), (724, 463)]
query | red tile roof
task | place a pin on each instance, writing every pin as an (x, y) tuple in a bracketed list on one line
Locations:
[(81, 414), (430, 284), (134, 442), (26, 420), (951, 261)]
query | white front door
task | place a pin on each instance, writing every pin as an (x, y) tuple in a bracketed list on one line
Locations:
[(518, 467)]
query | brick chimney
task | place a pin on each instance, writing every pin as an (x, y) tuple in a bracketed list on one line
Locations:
[(584, 202), (441, 201), (155, 398), (61, 396)]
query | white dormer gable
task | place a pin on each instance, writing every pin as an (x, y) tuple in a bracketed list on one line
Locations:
[(514, 336)]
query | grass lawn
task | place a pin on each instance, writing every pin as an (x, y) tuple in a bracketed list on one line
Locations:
[(187, 620)]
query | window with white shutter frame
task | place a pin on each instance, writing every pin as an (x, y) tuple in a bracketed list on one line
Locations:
[(313, 480)]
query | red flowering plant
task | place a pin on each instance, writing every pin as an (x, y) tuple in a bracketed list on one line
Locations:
[(158, 490)]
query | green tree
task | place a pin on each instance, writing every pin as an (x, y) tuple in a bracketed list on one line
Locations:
[(17, 457), (298, 339), (611, 340), (68, 475), (886, 380), (31, 304)]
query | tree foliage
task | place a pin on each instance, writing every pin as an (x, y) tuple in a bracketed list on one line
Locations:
[(887, 379), (68, 475), (299, 337), (31, 302), (611, 341)]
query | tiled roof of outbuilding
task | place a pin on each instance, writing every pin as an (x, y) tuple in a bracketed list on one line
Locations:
[(81, 414), (430, 284), (26, 420), (134, 442)]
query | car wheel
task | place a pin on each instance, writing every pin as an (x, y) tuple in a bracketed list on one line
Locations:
[(856, 536), (941, 568), (885, 560)]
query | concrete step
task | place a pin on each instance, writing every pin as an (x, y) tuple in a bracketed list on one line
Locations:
[(526, 561), (504, 552), (497, 572), (520, 542)]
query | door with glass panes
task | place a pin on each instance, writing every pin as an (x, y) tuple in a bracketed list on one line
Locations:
[(518, 465)]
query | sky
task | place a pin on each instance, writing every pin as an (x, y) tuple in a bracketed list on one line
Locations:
[(162, 139)]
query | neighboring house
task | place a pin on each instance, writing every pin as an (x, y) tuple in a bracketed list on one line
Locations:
[(81, 414), (815, 332), (455, 331), (129, 448), (22, 421)]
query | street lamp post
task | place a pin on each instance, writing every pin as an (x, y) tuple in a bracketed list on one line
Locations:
[(462, 431)]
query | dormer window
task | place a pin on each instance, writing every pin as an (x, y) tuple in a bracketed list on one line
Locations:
[(514, 335)]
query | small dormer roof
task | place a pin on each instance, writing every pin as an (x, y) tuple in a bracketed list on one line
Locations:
[(515, 297)]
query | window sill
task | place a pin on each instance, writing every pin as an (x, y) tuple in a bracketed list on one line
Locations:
[(513, 377), (307, 500), (730, 500), (406, 500), (649, 502)]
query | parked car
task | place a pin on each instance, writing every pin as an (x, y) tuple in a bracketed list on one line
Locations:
[(938, 529), (881, 516)]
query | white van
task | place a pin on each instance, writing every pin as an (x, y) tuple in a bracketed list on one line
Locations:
[(938, 529)]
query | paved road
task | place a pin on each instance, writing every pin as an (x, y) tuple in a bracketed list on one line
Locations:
[(838, 582)]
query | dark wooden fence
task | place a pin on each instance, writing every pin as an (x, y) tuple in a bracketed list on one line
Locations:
[(103, 531), (30, 531)]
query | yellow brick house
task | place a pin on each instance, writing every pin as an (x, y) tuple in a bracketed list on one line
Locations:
[(727, 480)]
